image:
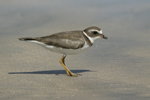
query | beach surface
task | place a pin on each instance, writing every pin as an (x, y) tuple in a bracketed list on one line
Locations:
[(113, 69)]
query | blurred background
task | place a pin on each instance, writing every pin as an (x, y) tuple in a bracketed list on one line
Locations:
[(120, 64), (122, 17)]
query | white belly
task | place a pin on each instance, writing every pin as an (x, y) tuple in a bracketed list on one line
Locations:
[(63, 51)]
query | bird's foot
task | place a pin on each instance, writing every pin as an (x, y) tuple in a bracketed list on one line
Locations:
[(69, 73)]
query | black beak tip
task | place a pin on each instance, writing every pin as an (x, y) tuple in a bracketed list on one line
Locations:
[(105, 37)]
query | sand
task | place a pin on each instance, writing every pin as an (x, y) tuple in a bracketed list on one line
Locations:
[(113, 69)]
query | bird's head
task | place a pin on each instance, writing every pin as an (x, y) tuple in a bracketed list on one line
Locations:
[(94, 33)]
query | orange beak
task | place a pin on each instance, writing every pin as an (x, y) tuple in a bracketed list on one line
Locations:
[(103, 36)]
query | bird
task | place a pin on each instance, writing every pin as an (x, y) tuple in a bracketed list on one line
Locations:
[(68, 42)]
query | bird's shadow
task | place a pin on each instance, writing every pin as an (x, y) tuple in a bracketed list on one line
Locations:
[(56, 72)]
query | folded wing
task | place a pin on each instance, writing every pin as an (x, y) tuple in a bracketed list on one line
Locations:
[(65, 40)]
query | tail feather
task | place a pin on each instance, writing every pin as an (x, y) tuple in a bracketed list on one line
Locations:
[(26, 39)]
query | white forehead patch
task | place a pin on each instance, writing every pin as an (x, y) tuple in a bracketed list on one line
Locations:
[(100, 32)]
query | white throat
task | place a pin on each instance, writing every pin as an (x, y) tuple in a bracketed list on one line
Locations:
[(91, 39)]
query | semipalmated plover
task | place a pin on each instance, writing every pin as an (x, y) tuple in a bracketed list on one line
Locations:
[(68, 43)]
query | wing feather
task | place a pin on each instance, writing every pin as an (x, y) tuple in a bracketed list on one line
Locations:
[(66, 40)]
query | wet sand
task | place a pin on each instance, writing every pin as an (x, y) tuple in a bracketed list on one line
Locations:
[(113, 69)]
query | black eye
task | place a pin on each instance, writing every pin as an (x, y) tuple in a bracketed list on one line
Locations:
[(95, 32)]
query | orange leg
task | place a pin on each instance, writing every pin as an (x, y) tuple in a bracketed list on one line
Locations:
[(62, 62)]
